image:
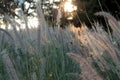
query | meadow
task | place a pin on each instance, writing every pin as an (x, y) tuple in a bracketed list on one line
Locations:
[(53, 53)]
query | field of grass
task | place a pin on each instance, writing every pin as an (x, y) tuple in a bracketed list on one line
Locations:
[(47, 53)]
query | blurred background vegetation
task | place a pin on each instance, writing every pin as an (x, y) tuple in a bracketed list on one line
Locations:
[(88, 7)]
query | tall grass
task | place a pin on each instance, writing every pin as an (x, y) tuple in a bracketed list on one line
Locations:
[(103, 52), (40, 53)]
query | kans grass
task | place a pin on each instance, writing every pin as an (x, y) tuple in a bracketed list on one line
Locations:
[(47, 53)]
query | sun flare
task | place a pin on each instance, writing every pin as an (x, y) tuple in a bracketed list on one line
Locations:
[(69, 7)]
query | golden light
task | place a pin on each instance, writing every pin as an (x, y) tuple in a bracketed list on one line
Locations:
[(69, 7), (70, 18)]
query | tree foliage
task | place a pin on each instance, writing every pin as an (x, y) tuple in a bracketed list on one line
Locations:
[(86, 8), (9, 6)]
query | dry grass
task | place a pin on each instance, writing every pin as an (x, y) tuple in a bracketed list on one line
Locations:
[(88, 73), (39, 54), (99, 46), (114, 24)]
